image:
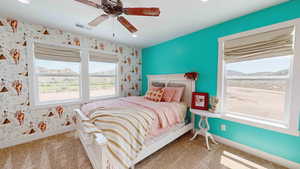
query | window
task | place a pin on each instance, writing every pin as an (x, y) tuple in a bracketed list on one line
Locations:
[(57, 73), (258, 88), (258, 72), (57, 80), (102, 75), (63, 74), (102, 79)]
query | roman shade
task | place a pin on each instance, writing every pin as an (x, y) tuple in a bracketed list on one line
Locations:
[(102, 57), (277, 42), (56, 53)]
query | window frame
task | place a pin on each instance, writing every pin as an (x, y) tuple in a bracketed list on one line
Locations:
[(116, 75), (291, 125), (83, 77), (286, 78)]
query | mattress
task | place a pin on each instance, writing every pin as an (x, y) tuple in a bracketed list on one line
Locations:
[(169, 114)]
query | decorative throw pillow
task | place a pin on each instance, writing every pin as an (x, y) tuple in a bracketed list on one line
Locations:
[(154, 95), (178, 95), (169, 93)]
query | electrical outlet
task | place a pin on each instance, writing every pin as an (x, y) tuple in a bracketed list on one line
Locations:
[(223, 127)]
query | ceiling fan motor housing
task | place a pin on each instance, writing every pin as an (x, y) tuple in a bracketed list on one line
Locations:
[(114, 8)]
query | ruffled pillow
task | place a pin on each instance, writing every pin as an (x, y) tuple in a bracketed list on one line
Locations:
[(178, 95), (169, 93)]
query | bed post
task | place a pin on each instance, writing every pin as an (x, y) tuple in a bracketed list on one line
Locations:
[(190, 105), (94, 144)]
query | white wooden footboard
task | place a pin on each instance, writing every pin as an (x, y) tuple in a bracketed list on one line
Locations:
[(94, 144)]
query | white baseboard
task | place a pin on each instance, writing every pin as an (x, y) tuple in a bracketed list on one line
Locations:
[(11, 143), (275, 159)]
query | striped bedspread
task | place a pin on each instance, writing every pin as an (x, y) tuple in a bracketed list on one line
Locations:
[(125, 129)]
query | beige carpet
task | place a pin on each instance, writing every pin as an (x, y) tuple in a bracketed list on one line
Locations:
[(66, 152)]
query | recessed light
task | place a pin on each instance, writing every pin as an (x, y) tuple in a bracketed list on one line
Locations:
[(24, 1), (134, 35)]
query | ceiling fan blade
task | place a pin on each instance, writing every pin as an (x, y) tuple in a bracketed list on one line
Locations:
[(98, 20), (90, 3), (127, 24), (142, 11)]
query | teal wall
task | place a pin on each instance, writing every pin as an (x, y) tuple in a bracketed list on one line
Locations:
[(198, 52)]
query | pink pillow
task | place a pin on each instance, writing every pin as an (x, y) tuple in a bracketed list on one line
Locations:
[(169, 93), (178, 95)]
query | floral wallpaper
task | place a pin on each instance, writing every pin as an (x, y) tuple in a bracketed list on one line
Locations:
[(17, 119)]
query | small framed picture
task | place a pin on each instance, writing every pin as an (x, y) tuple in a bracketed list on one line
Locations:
[(200, 101)]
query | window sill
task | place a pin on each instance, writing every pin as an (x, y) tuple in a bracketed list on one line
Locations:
[(45, 105), (261, 124), (104, 98), (52, 104)]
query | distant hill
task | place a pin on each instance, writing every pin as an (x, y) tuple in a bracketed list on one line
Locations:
[(55, 71), (70, 71), (277, 73), (234, 73), (109, 72)]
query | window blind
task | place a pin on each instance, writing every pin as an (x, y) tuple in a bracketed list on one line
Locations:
[(277, 42), (56, 53), (101, 57)]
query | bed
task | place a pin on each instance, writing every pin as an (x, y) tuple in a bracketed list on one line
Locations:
[(159, 124)]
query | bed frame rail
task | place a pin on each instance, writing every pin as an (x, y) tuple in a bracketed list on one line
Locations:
[(94, 144)]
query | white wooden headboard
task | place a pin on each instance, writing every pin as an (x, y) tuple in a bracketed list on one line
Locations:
[(175, 79)]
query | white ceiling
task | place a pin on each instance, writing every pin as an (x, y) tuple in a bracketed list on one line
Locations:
[(178, 17)]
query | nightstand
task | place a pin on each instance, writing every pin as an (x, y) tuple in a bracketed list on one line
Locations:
[(204, 125)]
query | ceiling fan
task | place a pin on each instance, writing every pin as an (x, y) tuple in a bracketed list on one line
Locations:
[(114, 8)]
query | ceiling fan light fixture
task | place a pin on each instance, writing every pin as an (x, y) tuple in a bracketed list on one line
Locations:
[(204, 0), (24, 1), (134, 35)]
